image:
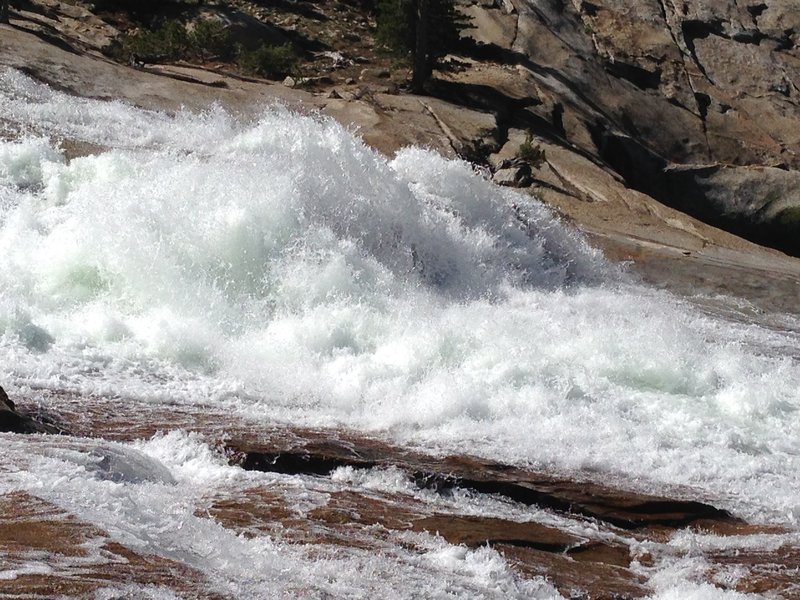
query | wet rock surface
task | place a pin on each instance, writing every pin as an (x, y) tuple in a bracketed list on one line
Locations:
[(587, 538), (625, 510), (47, 553)]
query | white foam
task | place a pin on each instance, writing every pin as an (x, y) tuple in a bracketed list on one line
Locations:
[(280, 269), (691, 577), (144, 592), (391, 479)]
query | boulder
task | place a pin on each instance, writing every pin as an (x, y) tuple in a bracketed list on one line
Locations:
[(518, 175), (12, 421), (5, 401), (760, 203), (243, 28)]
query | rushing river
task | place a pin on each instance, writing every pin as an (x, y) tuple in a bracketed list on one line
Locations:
[(279, 268)]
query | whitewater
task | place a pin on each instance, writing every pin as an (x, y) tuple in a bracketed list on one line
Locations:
[(275, 267)]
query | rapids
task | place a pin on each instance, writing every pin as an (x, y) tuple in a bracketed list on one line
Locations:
[(280, 268)]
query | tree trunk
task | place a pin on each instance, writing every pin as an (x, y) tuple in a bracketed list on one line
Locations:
[(422, 59), (4, 11)]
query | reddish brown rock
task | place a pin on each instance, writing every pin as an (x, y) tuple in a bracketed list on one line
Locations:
[(55, 554), (480, 531), (595, 580), (596, 562), (772, 573)]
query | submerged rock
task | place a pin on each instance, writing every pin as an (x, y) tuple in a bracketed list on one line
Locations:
[(49, 552), (587, 539)]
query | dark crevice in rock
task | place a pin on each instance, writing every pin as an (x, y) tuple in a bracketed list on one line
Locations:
[(589, 9), (786, 42), (438, 482), (557, 115), (749, 36), (512, 113), (51, 38), (477, 97), (703, 103), (296, 463), (694, 30), (687, 42), (669, 513), (685, 190), (689, 193), (663, 14), (509, 113), (516, 30), (35, 8), (641, 78), (621, 509), (640, 167), (756, 10), (679, 104), (494, 53)]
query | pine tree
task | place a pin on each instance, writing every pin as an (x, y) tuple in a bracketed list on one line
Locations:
[(425, 29)]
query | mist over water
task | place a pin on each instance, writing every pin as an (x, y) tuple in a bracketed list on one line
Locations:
[(279, 267)]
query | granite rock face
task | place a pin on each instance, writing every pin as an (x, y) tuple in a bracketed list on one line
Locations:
[(759, 202), (649, 85)]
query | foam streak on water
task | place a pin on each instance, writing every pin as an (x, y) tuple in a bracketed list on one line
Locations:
[(281, 268)]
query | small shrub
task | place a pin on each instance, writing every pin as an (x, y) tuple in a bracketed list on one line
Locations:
[(211, 38), (268, 61), (169, 41), (531, 153)]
